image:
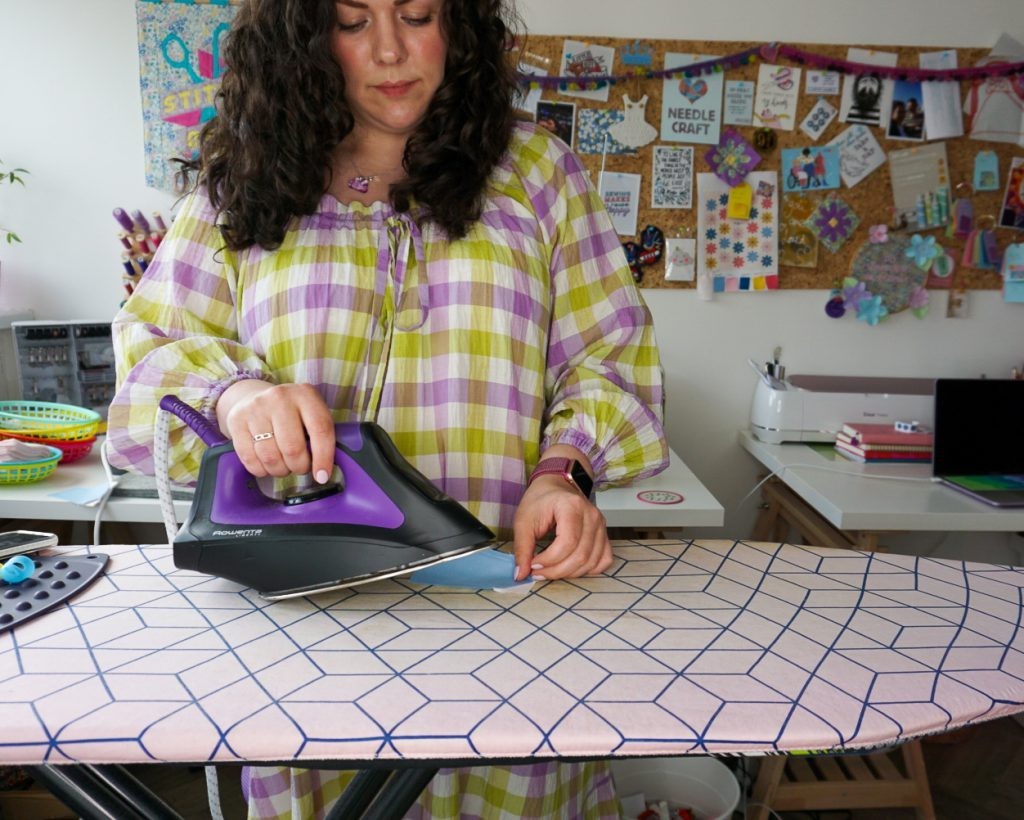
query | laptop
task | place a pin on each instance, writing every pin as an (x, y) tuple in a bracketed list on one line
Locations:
[(979, 439)]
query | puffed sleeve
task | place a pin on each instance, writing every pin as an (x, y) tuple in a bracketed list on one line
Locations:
[(177, 334), (604, 377)]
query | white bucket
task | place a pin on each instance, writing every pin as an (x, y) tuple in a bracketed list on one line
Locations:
[(702, 784)]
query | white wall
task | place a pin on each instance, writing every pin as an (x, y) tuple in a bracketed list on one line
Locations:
[(69, 112)]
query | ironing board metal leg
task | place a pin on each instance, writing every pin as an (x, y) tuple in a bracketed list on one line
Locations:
[(122, 782), (399, 794), (358, 794), (86, 795)]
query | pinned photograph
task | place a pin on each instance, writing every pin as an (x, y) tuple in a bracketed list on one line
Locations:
[(559, 118), (906, 114)]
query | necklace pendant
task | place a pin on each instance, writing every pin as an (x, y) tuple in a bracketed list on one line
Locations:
[(360, 183)]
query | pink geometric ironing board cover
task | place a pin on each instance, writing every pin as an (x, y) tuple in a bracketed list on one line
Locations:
[(705, 647)]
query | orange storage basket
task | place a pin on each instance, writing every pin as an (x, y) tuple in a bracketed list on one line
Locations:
[(71, 450)]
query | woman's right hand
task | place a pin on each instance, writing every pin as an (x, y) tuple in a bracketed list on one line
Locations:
[(278, 429)]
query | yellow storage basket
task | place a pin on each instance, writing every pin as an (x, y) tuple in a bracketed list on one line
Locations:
[(48, 420), (24, 472)]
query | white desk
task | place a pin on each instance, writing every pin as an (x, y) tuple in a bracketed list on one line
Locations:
[(622, 508), (859, 500)]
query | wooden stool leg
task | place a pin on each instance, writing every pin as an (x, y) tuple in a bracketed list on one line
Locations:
[(766, 521), (769, 774), (913, 759)]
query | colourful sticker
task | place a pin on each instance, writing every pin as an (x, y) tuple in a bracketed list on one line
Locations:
[(659, 497)]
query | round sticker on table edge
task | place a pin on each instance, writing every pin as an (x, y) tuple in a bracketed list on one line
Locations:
[(659, 497)]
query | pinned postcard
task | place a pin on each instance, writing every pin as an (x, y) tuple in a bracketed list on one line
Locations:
[(798, 243), (920, 187), (818, 118), (822, 82), (584, 61), (986, 171), (859, 154), (691, 106), (621, 196), (739, 102), (778, 91), (1012, 273), (1012, 212), (740, 254), (996, 104), (942, 109), (680, 259), (595, 132), (672, 177), (866, 96), (810, 168)]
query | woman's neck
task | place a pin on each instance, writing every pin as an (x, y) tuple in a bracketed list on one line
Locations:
[(366, 167)]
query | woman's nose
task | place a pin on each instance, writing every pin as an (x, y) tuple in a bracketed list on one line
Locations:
[(389, 48)]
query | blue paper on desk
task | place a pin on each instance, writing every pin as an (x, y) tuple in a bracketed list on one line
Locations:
[(484, 569), (83, 496)]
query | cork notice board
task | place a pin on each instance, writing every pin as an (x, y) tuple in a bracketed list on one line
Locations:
[(871, 199)]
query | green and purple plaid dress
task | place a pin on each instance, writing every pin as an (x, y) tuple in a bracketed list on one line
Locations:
[(475, 355)]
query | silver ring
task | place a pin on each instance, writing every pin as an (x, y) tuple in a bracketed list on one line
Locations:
[(262, 436)]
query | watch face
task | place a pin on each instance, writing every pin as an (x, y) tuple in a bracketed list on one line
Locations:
[(583, 481)]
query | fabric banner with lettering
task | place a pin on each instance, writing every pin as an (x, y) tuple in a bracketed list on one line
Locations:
[(179, 74)]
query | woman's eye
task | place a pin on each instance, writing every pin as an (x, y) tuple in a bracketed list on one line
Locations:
[(419, 21), (351, 26)]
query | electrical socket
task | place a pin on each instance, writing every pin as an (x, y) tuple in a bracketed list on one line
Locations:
[(956, 305)]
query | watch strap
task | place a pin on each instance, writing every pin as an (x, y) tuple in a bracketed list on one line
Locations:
[(570, 469)]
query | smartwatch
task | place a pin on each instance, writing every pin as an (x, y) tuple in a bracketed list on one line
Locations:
[(570, 469)]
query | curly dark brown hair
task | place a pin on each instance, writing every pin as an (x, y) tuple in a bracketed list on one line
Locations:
[(266, 157)]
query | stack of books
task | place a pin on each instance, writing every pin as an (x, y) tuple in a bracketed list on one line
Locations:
[(860, 441)]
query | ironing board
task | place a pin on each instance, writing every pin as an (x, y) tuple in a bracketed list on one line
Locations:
[(703, 647)]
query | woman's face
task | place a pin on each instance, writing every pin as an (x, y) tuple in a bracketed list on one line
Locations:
[(392, 55)]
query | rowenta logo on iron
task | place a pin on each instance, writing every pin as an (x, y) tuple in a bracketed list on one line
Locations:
[(238, 533)]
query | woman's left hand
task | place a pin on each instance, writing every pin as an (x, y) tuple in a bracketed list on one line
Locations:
[(581, 545)]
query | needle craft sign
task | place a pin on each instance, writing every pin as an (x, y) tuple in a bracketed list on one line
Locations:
[(180, 66)]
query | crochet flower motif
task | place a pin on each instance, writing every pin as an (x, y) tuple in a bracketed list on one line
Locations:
[(872, 310), (733, 158), (833, 221), (854, 293), (918, 304), (922, 250), (878, 234)]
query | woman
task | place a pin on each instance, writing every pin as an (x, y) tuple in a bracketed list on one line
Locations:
[(896, 118), (373, 236)]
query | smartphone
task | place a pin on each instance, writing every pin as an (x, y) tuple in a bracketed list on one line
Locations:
[(19, 542)]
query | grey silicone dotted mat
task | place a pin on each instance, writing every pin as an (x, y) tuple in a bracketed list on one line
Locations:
[(55, 579)]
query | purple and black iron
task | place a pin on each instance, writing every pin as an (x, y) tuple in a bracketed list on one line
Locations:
[(387, 520)]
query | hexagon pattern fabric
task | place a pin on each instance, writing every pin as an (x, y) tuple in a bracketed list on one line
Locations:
[(702, 647)]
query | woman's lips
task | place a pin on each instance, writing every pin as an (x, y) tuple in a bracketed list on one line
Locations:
[(394, 89)]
